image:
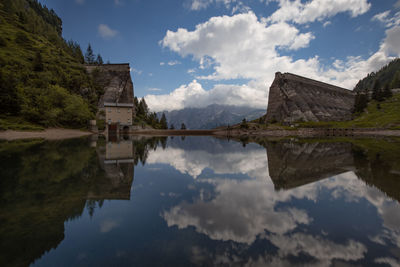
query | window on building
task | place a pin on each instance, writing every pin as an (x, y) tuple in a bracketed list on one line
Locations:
[(118, 110), (109, 110)]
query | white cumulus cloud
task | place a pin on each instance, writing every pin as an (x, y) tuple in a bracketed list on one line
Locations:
[(203, 4), (174, 62), (311, 11), (386, 19), (106, 32)]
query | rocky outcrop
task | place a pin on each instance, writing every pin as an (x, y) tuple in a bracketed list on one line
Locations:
[(116, 80), (293, 98)]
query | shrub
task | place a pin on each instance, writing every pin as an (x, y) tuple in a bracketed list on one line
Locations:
[(3, 42), (22, 38), (244, 125)]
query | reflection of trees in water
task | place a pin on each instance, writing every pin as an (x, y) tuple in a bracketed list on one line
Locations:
[(44, 185), (378, 164), (144, 145)]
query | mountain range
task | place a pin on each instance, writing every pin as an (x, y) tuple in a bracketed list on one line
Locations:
[(211, 116)]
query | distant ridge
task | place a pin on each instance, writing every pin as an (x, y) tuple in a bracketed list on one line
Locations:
[(211, 116)]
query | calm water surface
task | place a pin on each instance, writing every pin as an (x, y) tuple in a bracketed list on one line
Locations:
[(199, 201)]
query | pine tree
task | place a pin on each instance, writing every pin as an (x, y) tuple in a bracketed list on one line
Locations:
[(183, 126), (360, 102), (89, 56), (136, 104), (172, 127), (377, 91), (396, 80), (143, 108), (99, 60), (387, 93), (163, 122), (244, 124)]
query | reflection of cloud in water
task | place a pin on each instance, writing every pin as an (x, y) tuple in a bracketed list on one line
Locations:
[(252, 162), (323, 250), (107, 225), (388, 261), (244, 210), (347, 186), (240, 211)]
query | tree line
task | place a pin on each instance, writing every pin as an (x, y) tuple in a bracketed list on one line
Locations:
[(377, 86)]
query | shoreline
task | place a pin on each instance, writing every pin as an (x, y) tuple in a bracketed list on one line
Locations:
[(310, 132), (61, 133), (48, 134), (302, 132)]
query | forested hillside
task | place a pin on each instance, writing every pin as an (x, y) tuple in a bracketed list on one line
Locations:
[(388, 76), (42, 78)]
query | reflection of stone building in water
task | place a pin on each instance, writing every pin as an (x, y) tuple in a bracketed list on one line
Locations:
[(117, 160)]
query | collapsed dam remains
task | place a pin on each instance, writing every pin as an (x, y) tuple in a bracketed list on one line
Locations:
[(294, 98)]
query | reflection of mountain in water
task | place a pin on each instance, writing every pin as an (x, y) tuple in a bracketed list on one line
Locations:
[(294, 164)]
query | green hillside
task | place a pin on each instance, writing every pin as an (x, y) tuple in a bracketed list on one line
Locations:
[(42, 78), (389, 76)]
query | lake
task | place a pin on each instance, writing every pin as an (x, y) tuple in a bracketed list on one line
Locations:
[(202, 201)]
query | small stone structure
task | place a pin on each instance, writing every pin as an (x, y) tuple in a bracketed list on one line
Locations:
[(293, 98), (116, 105)]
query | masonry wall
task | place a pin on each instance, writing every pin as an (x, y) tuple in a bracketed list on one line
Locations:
[(122, 115), (120, 150), (294, 98)]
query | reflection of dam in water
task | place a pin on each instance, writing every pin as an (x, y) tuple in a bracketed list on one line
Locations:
[(294, 164)]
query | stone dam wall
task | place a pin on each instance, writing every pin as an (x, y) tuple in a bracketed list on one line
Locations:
[(294, 98)]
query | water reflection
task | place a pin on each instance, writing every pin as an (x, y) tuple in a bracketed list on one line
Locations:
[(199, 200), (43, 184)]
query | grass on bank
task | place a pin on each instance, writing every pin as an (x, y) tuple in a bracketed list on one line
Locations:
[(384, 114)]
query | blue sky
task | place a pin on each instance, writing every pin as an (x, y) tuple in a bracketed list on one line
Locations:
[(192, 53)]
